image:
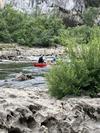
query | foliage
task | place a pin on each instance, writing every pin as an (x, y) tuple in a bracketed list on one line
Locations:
[(80, 73), (4, 33), (93, 3), (80, 35), (29, 30), (90, 15)]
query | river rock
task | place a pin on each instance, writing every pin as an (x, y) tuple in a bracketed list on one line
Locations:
[(26, 54), (21, 76)]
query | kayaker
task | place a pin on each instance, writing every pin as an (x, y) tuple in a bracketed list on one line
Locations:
[(41, 60)]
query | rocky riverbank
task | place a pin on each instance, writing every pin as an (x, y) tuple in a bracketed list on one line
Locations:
[(14, 52), (32, 110), (28, 108)]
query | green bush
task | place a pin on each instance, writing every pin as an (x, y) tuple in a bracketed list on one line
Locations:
[(92, 3), (90, 15), (4, 33), (29, 30), (79, 74), (79, 35)]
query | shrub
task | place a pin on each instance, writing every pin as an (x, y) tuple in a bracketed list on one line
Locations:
[(93, 3), (90, 15), (4, 33), (79, 35), (80, 75), (29, 30)]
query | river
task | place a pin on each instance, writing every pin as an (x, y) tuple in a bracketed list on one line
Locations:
[(8, 72)]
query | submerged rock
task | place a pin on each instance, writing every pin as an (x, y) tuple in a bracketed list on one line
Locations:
[(21, 76)]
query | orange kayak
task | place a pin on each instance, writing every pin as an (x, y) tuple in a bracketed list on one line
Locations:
[(39, 64)]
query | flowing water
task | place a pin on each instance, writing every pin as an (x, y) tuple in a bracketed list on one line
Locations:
[(13, 68), (8, 74)]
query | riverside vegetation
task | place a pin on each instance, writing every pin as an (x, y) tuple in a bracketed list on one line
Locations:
[(81, 75), (27, 29)]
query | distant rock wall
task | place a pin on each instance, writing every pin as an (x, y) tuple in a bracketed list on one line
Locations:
[(1, 4), (46, 6), (31, 5), (71, 10), (69, 5), (66, 7)]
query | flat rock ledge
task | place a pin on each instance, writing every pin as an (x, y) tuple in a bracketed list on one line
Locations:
[(32, 110), (16, 52), (19, 54)]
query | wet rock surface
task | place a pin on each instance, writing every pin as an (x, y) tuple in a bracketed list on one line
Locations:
[(32, 110), (21, 76)]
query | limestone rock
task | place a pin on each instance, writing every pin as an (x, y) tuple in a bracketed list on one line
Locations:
[(69, 9), (21, 76), (25, 113)]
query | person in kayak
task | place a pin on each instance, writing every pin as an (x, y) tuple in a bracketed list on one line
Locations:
[(41, 60)]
